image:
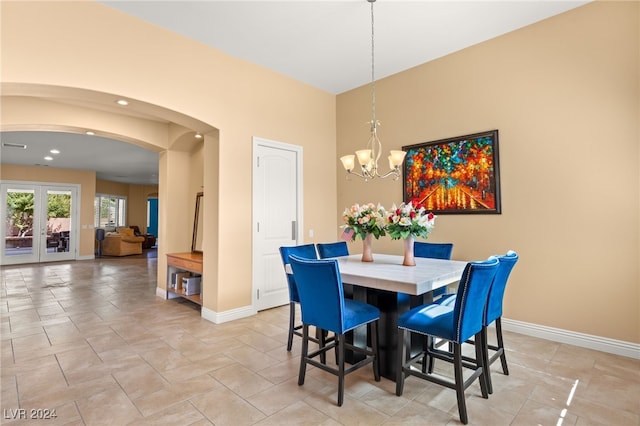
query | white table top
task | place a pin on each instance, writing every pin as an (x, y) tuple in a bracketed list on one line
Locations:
[(386, 272)]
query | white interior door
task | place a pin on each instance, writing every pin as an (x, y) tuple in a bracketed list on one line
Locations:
[(39, 223), (277, 213)]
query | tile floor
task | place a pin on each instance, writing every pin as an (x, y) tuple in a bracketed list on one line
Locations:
[(90, 340)]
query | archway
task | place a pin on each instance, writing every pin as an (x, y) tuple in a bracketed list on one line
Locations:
[(170, 133)]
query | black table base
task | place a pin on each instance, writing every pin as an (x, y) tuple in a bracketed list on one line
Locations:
[(391, 305)]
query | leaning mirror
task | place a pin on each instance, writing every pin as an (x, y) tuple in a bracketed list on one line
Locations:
[(196, 243)]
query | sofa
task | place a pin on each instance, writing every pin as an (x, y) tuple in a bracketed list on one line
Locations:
[(122, 243)]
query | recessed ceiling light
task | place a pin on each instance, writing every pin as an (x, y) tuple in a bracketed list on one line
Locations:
[(48, 158), (14, 145), (54, 151), (90, 133), (198, 136), (122, 102)]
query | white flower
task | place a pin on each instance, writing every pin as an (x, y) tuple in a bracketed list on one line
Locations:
[(405, 221)]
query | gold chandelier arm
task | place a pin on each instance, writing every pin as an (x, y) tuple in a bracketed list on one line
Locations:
[(395, 173)]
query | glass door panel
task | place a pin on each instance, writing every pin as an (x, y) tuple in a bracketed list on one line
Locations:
[(57, 231), (39, 223), (19, 204)]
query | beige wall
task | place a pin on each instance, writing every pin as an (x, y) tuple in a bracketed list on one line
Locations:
[(136, 199), (73, 45), (87, 182), (564, 95)]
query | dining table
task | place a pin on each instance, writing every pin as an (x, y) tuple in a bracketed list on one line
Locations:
[(394, 289)]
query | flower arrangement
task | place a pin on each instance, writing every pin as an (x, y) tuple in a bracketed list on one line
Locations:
[(365, 219), (409, 220)]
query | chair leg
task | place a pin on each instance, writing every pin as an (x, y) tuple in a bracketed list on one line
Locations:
[(402, 350), (303, 355), (503, 356), (292, 317), (482, 356), (459, 382), (425, 346), (340, 369), (322, 339), (431, 359), (374, 348)]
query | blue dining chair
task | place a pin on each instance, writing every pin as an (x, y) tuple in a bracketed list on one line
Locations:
[(336, 249), (323, 305), (306, 251), (434, 251), (455, 323), (493, 313)]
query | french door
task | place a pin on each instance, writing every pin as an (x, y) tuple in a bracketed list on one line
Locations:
[(40, 222), (277, 213)]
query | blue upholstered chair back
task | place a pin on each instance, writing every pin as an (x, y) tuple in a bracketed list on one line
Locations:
[(473, 290), (433, 250), (496, 294), (337, 249), (307, 251), (321, 294)]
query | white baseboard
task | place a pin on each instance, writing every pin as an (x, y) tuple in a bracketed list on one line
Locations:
[(226, 316), (603, 344), (213, 316)]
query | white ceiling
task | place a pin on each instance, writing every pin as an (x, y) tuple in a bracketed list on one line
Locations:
[(324, 43), (111, 160)]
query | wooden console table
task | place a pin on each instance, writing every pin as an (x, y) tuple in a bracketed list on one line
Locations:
[(184, 262)]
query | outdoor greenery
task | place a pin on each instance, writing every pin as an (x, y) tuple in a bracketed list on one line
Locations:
[(20, 207)]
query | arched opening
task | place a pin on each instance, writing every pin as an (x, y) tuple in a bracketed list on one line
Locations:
[(172, 135)]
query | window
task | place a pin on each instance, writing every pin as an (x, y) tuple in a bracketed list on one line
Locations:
[(110, 211)]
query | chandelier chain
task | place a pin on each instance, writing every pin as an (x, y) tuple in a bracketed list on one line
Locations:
[(373, 79)]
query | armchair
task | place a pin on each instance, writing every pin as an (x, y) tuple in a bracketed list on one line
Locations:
[(149, 239)]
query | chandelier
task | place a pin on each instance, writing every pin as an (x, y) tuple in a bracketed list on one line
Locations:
[(368, 157)]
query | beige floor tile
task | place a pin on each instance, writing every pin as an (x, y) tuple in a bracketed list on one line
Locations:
[(177, 393), (600, 413), (110, 407), (352, 412), (241, 380), (539, 414), (282, 371), (298, 413), (181, 413), (189, 369), (279, 396), (224, 407), (615, 392), (139, 380)]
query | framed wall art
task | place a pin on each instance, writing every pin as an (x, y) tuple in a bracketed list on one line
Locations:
[(454, 175)]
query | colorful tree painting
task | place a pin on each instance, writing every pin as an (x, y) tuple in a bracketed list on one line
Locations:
[(455, 175)]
